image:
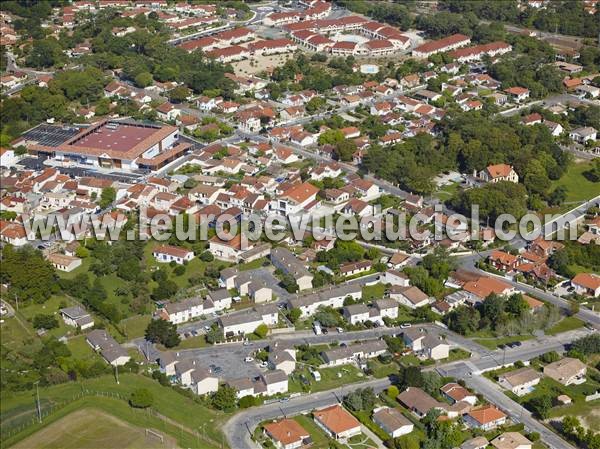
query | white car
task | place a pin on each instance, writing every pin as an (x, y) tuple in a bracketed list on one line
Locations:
[(405, 325), (340, 330), (263, 364), (249, 359)]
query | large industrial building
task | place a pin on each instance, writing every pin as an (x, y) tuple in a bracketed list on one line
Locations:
[(109, 144)]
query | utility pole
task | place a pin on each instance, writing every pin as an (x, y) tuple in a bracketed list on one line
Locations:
[(17, 301), (37, 396), (117, 373)]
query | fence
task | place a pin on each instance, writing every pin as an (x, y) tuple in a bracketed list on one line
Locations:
[(30, 418)]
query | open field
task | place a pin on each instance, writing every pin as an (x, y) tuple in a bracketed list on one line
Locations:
[(578, 186), (90, 428), (564, 325), (18, 409)]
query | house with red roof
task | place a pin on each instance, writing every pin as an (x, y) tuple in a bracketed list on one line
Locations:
[(499, 172)]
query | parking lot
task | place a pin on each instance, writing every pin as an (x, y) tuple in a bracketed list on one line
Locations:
[(228, 361)]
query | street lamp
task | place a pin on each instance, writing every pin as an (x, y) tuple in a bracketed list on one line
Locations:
[(37, 396)]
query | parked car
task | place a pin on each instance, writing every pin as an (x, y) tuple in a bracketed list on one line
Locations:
[(340, 330), (249, 359), (405, 325)]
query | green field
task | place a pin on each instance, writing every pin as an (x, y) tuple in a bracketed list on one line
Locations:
[(330, 378), (565, 325), (91, 429), (579, 188), (18, 409), (493, 343), (319, 438)]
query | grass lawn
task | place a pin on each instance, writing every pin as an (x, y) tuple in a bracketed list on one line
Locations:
[(374, 291), (81, 350), (564, 325), (579, 188), (458, 354), (50, 307), (361, 442), (552, 388), (135, 326), (252, 265), (381, 370), (319, 438), (447, 191), (90, 429), (14, 333), (587, 412), (192, 342), (330, 378), (17, 408), (493, 343)]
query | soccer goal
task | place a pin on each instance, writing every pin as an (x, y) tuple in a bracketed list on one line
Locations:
[(151, 434)]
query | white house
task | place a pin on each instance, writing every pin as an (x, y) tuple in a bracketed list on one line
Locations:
[(392, 421), (77, 317), (169, 253), (521, 381)]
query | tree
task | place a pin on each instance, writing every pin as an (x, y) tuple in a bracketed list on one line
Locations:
[(393, 391), (42, 321), (289, 283), (143, 79), (225, 398), (141, 398), (463, 320), (107, 197), (164, 332), (295, 314), (179, 94), (207, 256), (327, 317), (516, 305), (29, 276), (541, 405), (45, 53), (261, 331)]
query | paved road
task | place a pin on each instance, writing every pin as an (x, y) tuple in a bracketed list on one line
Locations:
[(237, 430)]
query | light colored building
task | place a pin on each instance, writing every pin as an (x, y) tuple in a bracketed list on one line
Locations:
[(567, 371), (77, 317), (499, 172), (521, 381), (511, 440), (170, 253), (392, 421)]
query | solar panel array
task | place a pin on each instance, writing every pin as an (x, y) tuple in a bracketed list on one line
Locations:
[(49, 135)]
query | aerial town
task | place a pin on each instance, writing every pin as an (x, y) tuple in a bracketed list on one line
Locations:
[(335, 224)]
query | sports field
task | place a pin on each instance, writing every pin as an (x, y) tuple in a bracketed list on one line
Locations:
[(93, 429)]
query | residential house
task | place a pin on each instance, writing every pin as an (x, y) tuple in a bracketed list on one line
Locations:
[(511, 440), (583, 135), (203, 381), (77, 317), (355, 353), (521, 381), (284, 260), (337, 422), (169, 253), (499, 172), (109, 349), (419, 402), (567, 371), (586, 284), (287, 434), (457, 393), (411, 297), (485, 418), (392, 421)]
